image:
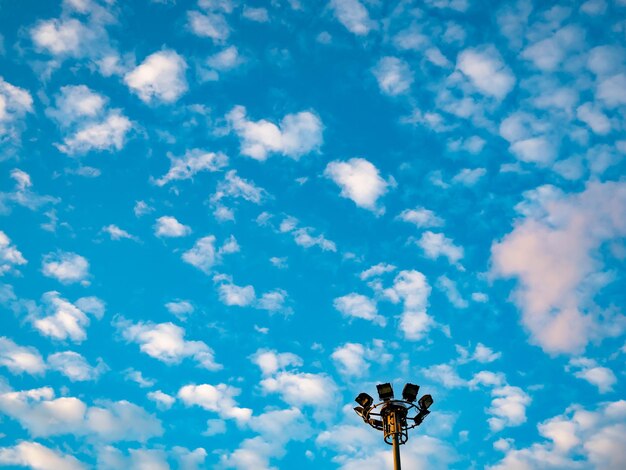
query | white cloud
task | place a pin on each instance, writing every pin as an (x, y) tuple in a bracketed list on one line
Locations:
[(469, 176), (259, 15), (444, 374), (437, 244), (88, 124), (43, 415), (303, 235), (301, 388), (421, 218), (529, 137), (354, 359), (217, 398), (553, 253), (37, 456), (578, 438), (231, 294), (295, 136), (168, 226), (63, 320), (106, 135), (449, 288), (15, 103), (209, 25), (394, 75), (20, 359), (594, 118), (508, 407), (22, 194), (233, 186), (482, 354), (181, 308), (193, 162), (271, 362), (142, 208), (202, 255), (245, 296), (359, 306), (353, 15), (61, 37), (275, 429), (75, 103), (550, 53), (411, 287), (75, 367), (166, 342), (162, 400), (359, 180), (611, 90), (117, 233), (160, 77), (376, 270), (589, 370), (10, 256), (486, 70), (226, 59), (138, 377), (65, 267)]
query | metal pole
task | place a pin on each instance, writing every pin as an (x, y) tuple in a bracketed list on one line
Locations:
[(396, 453)]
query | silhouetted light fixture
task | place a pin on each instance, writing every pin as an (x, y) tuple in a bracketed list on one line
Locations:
[(409, 393), (385, 391), (392, 416), (425, 402), (364, 400)]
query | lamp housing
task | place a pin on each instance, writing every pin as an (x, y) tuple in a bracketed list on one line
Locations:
[(385, 391), (425, 402), (409, 393), (364, 400)]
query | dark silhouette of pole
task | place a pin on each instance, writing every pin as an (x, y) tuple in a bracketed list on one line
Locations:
[(391, 416), (396, 453)]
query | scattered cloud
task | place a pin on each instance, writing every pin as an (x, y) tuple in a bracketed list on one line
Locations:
[(487, 71), (359, 306), (296, 135), (360, 181), (353, 15), (217, 398), (159, 78), (169, 227), (193, 162), (65, 267), (553, 253), (436, 245), (393, 75), (19, 359), (166, 342), (589, 370), (39, 412)]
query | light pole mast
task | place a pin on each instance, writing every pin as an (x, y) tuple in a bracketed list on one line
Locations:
[(391, 416)]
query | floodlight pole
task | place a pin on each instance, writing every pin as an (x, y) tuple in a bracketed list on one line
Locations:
[(396, 453), (391, 416)]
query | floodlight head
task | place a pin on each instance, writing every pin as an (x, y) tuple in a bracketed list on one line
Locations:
[(359, 410), (425, 402), (409, 393), (376, 423), (420, 416), (364, 400), (385, 391)]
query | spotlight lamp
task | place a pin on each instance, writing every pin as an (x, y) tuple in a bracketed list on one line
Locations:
[(409, 393), (392, 416), (385, 391)]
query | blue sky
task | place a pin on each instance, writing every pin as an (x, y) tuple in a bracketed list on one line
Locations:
[(222, 220)]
